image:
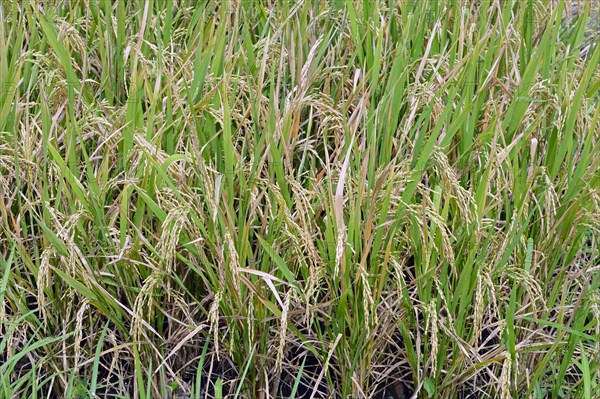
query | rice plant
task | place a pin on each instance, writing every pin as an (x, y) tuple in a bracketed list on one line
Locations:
[(300, 199)]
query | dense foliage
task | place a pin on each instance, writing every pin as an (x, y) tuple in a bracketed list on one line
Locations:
[(260, 199)]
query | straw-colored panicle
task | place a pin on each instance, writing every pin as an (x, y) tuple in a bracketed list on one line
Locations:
[(528, 281), (339, 212), (426, 213), (478, 309), (399, 276), (432, 329), (181, 305), (44, 279), (250, 321), (68, 34), (213, 319), (234, 263), (424, 94), (433, 215), (452, 186), (304, 224), (444, 304), (283, 331), (310, 295), (370, 313), (339, 249), (141, 307), (298, 231), (535, 97), (551, 203), (505, 378), (79, 326), (8, 156), (488, 292), (173, 225)]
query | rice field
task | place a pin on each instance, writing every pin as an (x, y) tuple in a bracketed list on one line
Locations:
[(376, 199)]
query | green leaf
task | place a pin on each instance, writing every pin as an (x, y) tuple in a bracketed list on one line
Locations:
[(430, 387)]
